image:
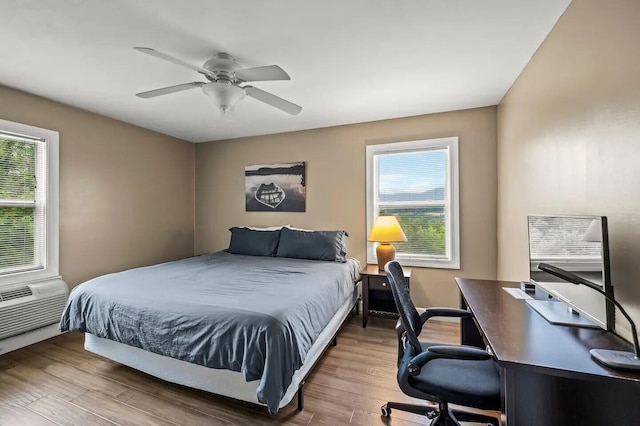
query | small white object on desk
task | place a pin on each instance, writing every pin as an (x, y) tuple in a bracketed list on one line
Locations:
[(517, 293), (527, 286)]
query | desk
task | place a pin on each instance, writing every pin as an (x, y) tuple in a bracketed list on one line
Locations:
[(548, 375)]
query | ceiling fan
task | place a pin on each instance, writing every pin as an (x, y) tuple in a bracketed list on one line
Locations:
[(227, 80)]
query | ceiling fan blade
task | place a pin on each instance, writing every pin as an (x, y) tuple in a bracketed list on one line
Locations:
[(170, 89), (272, 100), (266, 73), (157, 54)]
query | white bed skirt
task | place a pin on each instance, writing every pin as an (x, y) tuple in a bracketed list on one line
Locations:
[(219, 381)]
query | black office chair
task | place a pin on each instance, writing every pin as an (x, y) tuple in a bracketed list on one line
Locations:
[(462, 375)]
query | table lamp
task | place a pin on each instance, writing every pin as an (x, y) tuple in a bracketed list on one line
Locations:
[(386, 230)]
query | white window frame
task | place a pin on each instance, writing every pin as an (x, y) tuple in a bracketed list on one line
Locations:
[(452, 218), (50, 259)]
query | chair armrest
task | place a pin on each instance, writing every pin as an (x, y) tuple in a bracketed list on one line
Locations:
[(444, 312), (468, 353), (435, 312)]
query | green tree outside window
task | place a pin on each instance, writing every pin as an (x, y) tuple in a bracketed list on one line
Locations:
[(17, 184)]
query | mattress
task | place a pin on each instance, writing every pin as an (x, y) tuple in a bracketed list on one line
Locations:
[(222, 382), (258, 316)]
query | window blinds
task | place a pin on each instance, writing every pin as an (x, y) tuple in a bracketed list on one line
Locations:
[(561, 238), (412, 186), (22, 203)]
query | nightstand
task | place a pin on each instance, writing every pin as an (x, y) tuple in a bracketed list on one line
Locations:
[(377, 298)]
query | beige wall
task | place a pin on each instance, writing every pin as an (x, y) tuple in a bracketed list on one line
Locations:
[(569, 138), (126, 193), (335, 159)]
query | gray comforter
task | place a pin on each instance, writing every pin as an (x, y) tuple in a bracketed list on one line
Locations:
[(255, 315)]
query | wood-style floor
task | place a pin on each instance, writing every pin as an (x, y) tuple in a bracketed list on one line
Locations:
[(57, 382)]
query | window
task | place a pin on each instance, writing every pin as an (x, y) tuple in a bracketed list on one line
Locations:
[(417, 182), (28, 203)]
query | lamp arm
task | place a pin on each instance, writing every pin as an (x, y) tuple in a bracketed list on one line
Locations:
[(574, 279), (636, 347), (593, 286)]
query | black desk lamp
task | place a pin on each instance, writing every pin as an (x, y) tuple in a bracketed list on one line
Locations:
[(620, 360)]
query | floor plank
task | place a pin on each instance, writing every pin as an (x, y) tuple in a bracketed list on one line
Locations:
[(118, 412), (7, 362), (167, 410), (46, 383), (58, 382), (15, 391), (21, 416), (66, 413), (88, 381)]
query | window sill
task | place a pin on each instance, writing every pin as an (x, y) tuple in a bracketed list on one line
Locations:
[(25, 279), (421, 262)]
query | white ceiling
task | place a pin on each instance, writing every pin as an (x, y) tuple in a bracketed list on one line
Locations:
[(350, 61)]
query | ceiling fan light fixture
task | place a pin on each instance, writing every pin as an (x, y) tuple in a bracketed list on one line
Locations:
[(224, 95), (225, 76)]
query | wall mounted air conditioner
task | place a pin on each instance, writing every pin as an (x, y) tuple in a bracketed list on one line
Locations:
[(30, 312)]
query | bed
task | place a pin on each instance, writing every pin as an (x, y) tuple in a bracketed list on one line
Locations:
[(246, 327)]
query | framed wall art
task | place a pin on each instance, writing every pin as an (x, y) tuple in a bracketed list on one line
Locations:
[(275, 187)]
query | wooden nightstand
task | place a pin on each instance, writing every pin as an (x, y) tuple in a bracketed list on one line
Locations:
[(377, 298)]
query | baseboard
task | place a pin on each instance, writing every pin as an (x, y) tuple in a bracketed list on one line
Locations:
[(25, 339)]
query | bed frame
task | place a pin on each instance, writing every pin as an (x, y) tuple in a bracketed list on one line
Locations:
[(219, 381)]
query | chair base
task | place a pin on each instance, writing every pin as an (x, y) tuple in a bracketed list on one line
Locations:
[(441, 415)]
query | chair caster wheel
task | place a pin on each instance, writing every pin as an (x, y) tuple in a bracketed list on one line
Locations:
[(386, 411)]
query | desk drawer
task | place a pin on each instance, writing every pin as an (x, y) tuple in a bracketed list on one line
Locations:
[(379, 283)]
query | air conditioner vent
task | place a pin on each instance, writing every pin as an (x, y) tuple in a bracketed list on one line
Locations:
[(30, 315), (15, 293)]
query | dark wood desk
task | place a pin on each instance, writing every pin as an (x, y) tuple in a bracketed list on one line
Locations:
[(548, 375)]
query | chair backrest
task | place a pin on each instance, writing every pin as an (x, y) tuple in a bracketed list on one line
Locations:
[(408, 313)]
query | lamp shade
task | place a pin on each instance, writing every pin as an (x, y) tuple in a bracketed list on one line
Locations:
[(593, 234), (224, 95), (386, 229)]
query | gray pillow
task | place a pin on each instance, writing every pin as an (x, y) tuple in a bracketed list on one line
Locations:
[(312, 245), (252, 242)]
